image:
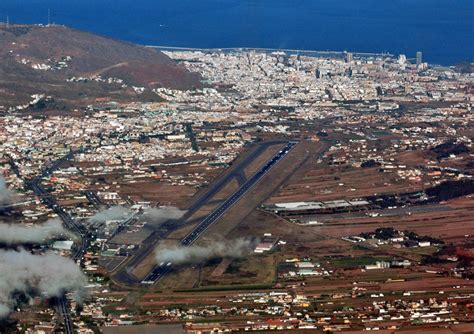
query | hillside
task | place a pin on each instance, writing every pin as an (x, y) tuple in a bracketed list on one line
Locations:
[(66, 64)]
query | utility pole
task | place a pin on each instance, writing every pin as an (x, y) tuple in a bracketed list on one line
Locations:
[(49, 16)]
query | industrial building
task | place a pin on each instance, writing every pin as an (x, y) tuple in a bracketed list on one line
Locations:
[(311, 208)]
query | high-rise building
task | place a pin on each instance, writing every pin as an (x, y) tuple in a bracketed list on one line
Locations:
[(321, 72), (318, 73), (419, 58), (402, 59), (348, 72), (349, 57)]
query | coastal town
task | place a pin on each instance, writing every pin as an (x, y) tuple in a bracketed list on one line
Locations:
[(367, 223)]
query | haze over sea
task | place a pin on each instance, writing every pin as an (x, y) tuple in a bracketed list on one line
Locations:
[(442, 29)]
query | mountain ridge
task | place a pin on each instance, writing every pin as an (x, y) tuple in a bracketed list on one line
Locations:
[(41, 56)]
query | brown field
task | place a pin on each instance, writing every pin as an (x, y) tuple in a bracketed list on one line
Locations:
[(451, 224), (162, 193), (413, 158), (149, 262), (257, 195), (253, 269), (257, 163), (185, 278), (225, 192), (452, 329), (250, 270), (385, 281), (300, 177), (218, 173), (325, 183), (131, 238)]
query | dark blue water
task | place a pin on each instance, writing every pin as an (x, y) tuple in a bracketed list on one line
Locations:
[(442, 29)]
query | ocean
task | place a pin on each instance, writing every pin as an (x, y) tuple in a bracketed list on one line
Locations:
[(442, 29)]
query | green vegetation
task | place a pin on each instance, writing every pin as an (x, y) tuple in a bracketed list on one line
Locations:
[(451, 147), (192, 137), (234, 267), (451, 189)]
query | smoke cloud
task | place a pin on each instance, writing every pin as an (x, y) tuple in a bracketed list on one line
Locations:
[(6, 195), (185, 255), (11, 234), (162, 214), (47, 275), (112, 213)]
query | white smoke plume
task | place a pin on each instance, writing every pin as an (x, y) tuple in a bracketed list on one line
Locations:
[(47, 275), (112, 213), (186, 255), (162, 214), (6, 195), (12, 234)]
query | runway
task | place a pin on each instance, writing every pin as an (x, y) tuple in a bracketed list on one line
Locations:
[(158, 272), (125, 276)]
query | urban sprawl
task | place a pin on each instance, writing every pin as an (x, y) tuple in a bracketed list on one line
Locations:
[(364, 222)]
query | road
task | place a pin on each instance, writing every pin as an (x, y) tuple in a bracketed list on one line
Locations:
[(269, 50), (67, 219), (94, 199), (158, 272), (62, 307), (69, 222)]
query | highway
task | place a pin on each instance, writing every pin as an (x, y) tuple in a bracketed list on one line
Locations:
[(69, 223), (159, 271), (94, 199), (67, 219), (61, 305)]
